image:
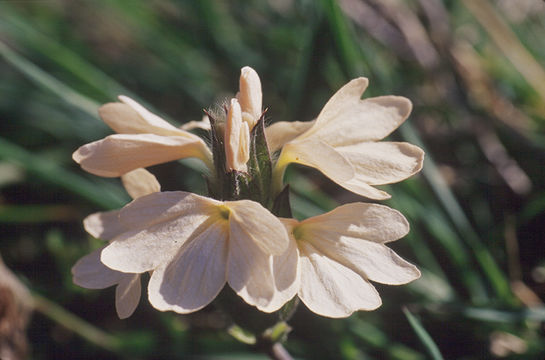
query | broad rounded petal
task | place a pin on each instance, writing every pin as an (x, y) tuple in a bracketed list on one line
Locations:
[(127, 295), (90, 273), (250, 274), (141, 120), (159, 224), (347, 119), (104, 225), (283, 132), (373, 261), (286, 274), (320, 156), (251, 222), (195, 276), (331, 289), (373, 222), (164, 206), (140, 182), (377, 163), (116, 155)]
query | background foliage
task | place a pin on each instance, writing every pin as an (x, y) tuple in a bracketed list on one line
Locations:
[(473, 69)]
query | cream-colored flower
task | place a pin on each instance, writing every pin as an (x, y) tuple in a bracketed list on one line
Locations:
[(194, 245), (343, 142), (89, 272), (236, 139), (143, 139), (341, 251)]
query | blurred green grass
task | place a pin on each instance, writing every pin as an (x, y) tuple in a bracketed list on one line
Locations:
[(477, 210)]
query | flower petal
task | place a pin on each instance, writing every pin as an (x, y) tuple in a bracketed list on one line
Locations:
[(331, 289), (250, 273), (250, 96), (104, 225), (132, 118), (286, 271), (373, 222), (127, 295), (116, 155), (347, 119), (90, 273), (378, 163), (124, 119), (283, 132), (140, 182), (195, 276), (319, 155), (373, 261), (159, 224), (250, 220), (203, 124)]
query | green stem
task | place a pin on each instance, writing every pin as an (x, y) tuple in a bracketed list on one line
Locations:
[(75, 324)]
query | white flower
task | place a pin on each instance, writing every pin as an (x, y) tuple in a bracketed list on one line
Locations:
[(143, 139), (194, 245), (89, 272), (341, 251), (343, 142)]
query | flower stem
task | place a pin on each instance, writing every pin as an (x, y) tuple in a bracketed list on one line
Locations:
[(277, 351)]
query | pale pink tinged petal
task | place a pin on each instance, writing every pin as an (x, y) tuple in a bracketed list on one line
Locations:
[(142, 121), (373, 261), (250, 96), (378, 163), (320, 156), (140, 182), (346, 119), (90, 273), (331, 289), (116, 155), (104, 225), (373, 222), (283, 132), (250, 273), (195, 276), (127, 295), (160, 224), (250, 220)]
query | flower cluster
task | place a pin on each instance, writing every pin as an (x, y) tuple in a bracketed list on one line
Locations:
[(243, 233)]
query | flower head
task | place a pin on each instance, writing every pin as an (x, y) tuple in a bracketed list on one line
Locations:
[(89, 272), (194, 245), (342, 250), (343, 141), (143, 139)]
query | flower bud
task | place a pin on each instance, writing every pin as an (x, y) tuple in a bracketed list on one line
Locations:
[(250, 96), (237, 139)]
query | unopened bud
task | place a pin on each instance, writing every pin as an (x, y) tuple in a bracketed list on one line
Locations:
[(250, 96), (237, 139)]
